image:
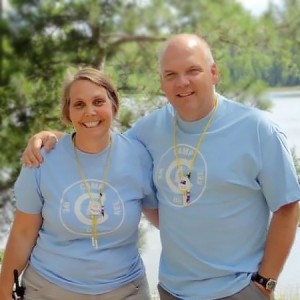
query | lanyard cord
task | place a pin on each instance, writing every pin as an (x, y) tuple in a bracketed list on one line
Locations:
[(94, 209), (201, 138)]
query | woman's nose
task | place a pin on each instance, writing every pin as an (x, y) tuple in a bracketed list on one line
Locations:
[(90, 110)]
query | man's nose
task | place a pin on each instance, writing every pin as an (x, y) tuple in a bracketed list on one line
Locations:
[(182, 80)]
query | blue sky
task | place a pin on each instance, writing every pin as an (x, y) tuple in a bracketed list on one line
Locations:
[(257, 6)]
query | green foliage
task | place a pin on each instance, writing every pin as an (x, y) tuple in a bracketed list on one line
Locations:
[(297, 161), (1, 255), (297, 165), (282, 30), (42, 39)]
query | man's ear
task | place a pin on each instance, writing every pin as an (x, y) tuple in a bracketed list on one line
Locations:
[(161, 83), (214, 73)]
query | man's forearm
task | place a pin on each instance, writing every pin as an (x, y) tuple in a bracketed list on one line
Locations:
[(152, 216), (279, 241)]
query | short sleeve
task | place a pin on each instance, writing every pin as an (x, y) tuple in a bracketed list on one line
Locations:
[(278, 177), (150, 200), (27, 191)]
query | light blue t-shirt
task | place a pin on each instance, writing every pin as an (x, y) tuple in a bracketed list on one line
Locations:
[(64, 254), (242, 173)]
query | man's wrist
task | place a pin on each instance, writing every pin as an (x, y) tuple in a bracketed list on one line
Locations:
[(269, 284)]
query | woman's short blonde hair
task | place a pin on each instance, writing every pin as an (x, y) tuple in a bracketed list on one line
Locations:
[(94, 75)]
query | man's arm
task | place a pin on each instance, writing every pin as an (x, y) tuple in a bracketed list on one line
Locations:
[(32, 154), (152, 216), (279, 241)]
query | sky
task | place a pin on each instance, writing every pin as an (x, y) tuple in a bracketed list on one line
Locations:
[(257, 7)]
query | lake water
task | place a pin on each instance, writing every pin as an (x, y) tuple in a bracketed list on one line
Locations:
[(286, 112)]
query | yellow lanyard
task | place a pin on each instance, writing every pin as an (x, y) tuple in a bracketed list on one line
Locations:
[(184, 180), (96, 207)]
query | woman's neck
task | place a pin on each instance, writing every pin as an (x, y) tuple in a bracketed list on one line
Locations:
[(92, 144)]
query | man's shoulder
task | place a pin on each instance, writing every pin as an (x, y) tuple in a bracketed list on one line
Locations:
[(127, 143), (148, 127), (156, 114), (155, 119), (130, 147), (244, 109), (249, 116)]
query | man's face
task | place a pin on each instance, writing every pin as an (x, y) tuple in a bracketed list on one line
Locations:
[(188, 79)]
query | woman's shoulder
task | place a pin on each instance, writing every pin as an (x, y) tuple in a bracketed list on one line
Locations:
[(63, 145)]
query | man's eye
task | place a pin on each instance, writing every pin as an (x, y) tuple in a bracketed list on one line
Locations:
[(169, 75), (194, 71)]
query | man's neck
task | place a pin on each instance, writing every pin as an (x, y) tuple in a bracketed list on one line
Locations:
[(200, 113)]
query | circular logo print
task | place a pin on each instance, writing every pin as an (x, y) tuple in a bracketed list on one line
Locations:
[(167, 176), (78, 204)]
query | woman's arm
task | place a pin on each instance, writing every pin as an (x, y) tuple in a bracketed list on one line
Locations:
[(22, 238)]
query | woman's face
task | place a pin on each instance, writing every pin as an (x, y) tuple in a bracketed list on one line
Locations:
[(90, 108)]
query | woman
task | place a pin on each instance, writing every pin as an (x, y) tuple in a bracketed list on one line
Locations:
[(76, 224)]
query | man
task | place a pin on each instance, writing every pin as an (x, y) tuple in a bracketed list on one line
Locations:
[(226, 184)]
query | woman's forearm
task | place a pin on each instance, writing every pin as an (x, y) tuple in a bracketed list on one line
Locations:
[(21, 240)]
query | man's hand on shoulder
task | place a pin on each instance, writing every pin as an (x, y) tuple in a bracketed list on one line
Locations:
[(32, 156)]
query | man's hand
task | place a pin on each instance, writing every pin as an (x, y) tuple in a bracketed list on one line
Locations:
[(32, 156), (264, 291)]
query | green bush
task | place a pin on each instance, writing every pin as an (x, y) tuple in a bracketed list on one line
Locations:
[(1, 255)]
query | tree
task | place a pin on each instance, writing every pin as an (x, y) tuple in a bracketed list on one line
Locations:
[(44, 38), (281, 27), (41, 41)]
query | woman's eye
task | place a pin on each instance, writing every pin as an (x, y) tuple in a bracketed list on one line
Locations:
[(78, 105), (99, 102)]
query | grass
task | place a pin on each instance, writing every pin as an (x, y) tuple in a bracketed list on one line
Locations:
[(284, 88), (288, 296), (1, 255)]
